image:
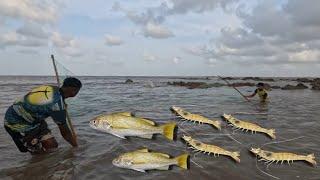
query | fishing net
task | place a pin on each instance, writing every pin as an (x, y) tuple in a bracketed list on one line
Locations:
[(61, 73)]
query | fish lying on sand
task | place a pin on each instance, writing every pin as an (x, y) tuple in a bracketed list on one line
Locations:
[(142, 160), (248, 126), (195, 117), (275, 157), (122, 124)]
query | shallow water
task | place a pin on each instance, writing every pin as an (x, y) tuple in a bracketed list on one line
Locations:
[(292, 113)]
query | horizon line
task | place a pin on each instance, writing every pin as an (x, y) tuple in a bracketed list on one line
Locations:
[(161, 76)]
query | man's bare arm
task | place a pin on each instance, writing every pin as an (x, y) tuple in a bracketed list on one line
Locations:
[(67, 135), (252, 95)]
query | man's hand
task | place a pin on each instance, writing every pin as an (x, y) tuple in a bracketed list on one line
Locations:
[(67, 135)]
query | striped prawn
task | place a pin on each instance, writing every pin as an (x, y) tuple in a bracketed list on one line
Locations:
[(248, 126), (195, 117), (210, 149), (275, 157)]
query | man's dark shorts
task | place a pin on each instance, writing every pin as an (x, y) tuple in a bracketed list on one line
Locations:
[(30, 141)]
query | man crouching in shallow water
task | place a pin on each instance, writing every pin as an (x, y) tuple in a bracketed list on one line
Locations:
[(25, 119)]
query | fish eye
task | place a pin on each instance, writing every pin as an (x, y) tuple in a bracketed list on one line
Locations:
[(94, 121)]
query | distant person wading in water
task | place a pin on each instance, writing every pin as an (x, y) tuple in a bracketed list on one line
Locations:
[(261, 91), (25, 119)]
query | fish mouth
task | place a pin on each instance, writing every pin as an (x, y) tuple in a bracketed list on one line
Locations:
[(115, 162), (92, 125), (173, 109), (186, 138), (225, 117), (254, 150)]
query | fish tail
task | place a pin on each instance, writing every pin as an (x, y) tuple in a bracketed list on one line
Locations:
[(169, 130), (183, 161), (216, 124), (236, 156), (271, 133), (311, 159)]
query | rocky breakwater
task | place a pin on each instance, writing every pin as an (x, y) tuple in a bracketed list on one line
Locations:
[(316, 84), (296, 87), (194, 85)]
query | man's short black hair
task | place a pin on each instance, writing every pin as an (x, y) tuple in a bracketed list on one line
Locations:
[(72, 82), (260, 84)]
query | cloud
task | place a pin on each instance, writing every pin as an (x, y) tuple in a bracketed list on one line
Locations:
[(103, 58), (8, 39), (151, 18), (33, 30), (176, 60), (149, 57), (211, 62), (157, 31), (72, 52), (285, 24), (306, 56), (61, 41), (116, 63), (28, 51), (66, 45), (197, 6), (270, 35), (113, 40), (40, 11), (158, 14), (15, 39), (195, 50), (150, 15)]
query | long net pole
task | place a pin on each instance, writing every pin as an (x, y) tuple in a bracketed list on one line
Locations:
[(65, 105), (235, 88)]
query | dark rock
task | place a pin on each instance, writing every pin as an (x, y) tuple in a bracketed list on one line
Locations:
[(194, 85), (229, 78), (257, 79), (316, 84), (267, 86), (275, 87), (240, 84), (189, 85), (129, 81), (291, 87), (304, 80), (216, 85), (193, 78)]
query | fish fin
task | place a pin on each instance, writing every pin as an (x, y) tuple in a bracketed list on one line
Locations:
[(146, 136), (164, 155), (271, 133), (122, 137), (168, 130), (123, 113), (216, 124), (140, 170), (164, 168), (236, 156), (142, 150), (311, 159), (149, 122), (183, 161)]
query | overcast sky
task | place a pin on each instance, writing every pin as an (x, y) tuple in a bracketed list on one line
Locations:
[(161, 37)]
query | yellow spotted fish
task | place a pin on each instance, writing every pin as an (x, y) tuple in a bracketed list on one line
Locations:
[(142, 160), (124, 124)]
